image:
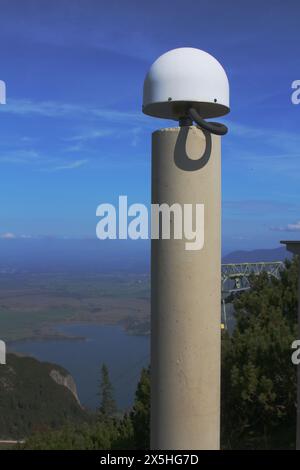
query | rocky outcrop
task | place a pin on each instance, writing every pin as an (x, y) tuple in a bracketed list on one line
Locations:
[(66, 381), (36, 395)]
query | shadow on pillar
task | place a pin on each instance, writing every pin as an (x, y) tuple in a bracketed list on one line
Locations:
[(181, 157)]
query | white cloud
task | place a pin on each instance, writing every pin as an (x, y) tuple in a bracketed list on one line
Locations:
[(294, 227), (68, 166), (288, 228), (19, 156), (40, 162), (8, 236), (74, 148), (91, 135), (65, 110)]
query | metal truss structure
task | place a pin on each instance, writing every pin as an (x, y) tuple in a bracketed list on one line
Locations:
[(235, 276)]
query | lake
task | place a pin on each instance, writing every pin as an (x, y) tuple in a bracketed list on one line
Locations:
[(125, 355)]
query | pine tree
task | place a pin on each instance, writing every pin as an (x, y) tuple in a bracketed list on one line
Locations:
[(108, 406), (140, 414), (258, 377)]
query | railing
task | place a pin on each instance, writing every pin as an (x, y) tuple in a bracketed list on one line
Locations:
[(235, 276)]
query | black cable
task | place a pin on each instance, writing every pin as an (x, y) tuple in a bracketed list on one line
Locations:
[(212, 127)]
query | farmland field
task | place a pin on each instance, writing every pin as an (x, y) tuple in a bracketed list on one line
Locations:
[(31, 304)]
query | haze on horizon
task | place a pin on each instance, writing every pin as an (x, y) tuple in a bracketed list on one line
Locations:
[(73, 135)]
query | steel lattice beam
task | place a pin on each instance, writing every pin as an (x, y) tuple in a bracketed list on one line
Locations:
[(235, 276)]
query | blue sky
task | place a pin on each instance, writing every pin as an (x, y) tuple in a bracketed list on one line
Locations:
[(72, 134)]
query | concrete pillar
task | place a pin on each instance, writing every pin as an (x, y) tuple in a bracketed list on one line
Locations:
[(186, 296), (294, 247), (298, 373)]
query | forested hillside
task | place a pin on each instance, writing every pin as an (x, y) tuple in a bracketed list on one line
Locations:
[(35, 396)]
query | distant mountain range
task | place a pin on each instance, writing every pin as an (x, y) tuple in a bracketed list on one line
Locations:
[(73, 256), (95, 256), (253, 256)]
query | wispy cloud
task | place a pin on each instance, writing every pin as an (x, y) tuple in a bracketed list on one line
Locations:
[(19, 156), (38, 161), (91, 135), (8, 236), (259, 206), (254, 148), (67, 166), (136, 134), (74, 148), (288, 228), (269, 136), (268, 150), (65, 110)]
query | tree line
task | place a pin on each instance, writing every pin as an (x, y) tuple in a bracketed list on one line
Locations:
[(258, 381)]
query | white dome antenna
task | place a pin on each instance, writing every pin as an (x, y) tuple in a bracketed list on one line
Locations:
[(187, 85)]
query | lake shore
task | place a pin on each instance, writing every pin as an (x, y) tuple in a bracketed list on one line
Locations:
[(124, 354)]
